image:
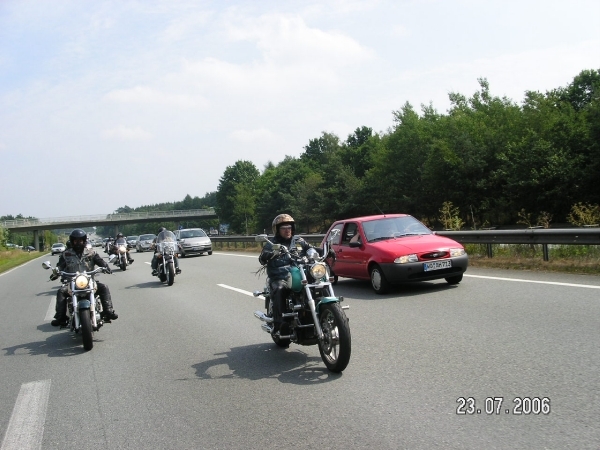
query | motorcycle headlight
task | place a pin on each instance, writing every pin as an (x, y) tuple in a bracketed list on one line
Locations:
[(318, 271), (81, 282), (406, 259), (457, 252), (122, 248)]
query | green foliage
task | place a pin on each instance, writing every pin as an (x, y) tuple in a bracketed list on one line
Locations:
[(584, 214), (450, 217)]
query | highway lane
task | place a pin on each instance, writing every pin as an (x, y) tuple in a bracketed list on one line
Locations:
[(188, 366)]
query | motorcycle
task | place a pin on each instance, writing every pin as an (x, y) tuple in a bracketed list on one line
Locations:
[(165, 251), (312, 311), (118, 251), (84, 308)]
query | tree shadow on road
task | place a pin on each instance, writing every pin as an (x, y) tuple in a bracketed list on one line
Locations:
[(260, 361)]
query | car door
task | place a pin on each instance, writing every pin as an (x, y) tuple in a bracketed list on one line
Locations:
[(348, 257)]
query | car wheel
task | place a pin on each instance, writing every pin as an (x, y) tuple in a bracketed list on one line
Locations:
[(454, 280), (210, 253), (378, 281)]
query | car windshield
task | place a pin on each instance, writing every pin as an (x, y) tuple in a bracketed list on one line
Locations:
[(57, 245), (187, 234), (147, 237), (393, 227)]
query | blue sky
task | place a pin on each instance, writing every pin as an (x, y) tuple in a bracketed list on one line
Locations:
[(112, 103)]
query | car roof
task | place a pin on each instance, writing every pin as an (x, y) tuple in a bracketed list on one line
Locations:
[(368, 218)]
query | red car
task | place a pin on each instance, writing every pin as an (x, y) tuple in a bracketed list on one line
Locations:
[(392, 249)]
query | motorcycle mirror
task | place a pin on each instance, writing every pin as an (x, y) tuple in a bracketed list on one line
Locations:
[(260, 238), (335, 232), (46, 265), (276, 247)]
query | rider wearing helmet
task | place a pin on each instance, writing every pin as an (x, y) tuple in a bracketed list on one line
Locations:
[(154, 263), (114, 251), (278, 264), (79, 258)]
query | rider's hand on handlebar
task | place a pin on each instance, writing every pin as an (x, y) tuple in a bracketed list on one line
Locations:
[(107, 270)]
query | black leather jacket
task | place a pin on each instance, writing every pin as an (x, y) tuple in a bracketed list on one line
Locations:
[(278, 267)]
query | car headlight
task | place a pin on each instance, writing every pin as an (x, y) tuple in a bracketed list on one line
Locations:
[(318, 271), (406, 259), (454, 252), (81, 282)]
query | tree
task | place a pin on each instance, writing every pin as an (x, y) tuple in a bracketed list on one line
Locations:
[(242, 172)]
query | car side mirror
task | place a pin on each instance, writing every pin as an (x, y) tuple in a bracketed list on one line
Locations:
[(354, 244)]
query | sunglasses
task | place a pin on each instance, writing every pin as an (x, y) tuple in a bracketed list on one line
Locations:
[(285, 227)]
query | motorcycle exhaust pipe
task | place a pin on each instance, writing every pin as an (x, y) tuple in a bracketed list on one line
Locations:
[(261, 316)]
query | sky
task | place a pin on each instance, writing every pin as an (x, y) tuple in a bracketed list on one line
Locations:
[(105, 104)]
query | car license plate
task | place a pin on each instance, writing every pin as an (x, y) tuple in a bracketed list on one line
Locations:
[(437, 265)]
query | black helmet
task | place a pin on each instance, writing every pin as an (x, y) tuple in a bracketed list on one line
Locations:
[(78, 233), (119, 235), (161, 229), (283, 219)]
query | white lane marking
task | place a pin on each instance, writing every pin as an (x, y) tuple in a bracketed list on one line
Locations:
[(51, 310), (589, 286), (236, 254), (146, 263), (26, 426), (241, 291)]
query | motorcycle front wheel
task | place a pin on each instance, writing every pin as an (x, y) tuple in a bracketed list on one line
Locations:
[(335, 347), (86, 329), (171, 277), (123, 265)]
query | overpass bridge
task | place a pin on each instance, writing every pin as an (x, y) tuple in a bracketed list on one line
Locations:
[(37, 225)]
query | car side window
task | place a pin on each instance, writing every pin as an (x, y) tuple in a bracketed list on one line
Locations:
[(350, 231)]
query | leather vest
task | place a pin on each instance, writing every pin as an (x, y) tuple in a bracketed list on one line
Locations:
[(75, 264)]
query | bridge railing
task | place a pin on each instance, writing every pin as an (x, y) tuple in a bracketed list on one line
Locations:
[(17, 223)]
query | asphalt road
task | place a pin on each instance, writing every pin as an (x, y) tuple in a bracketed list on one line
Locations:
[(188, 366)]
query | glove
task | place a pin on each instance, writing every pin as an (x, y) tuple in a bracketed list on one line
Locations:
[(107, 270), (265, 256)]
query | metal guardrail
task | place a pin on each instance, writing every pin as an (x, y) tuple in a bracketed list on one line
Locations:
[(543, 237)]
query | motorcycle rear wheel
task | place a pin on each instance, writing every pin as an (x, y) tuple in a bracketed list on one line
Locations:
[(335, 348), (86, 329)]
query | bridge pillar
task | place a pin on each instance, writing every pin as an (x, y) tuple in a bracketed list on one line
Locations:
[(36, 239)]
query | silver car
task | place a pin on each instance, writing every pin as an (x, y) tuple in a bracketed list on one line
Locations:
[(57, 248), (144, 242), (193, 241)]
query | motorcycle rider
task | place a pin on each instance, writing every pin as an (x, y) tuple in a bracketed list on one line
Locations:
[(80, 258), (154, 264), (113, 248), (278, 265)]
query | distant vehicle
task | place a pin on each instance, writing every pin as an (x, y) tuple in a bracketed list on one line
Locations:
[(193, 240), (131, 241), (59, 247), (29, 248), (144, 242), (393, 249)]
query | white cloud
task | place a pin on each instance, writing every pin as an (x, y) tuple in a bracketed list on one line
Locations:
[(248, 136), (146, 95), (123, 133)]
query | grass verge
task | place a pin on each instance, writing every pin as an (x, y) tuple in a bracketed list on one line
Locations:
[(13, 258)]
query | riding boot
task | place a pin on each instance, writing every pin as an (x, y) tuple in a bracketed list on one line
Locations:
[(108, 313), (60, 318)]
